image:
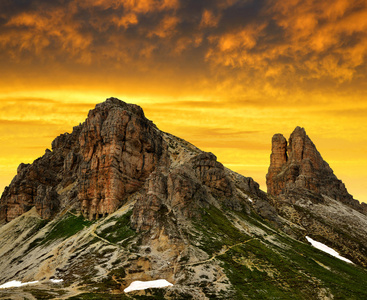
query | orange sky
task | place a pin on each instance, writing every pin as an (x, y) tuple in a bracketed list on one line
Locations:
[(223, 74)]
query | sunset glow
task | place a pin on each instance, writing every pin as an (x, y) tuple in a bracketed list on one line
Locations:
[(224, 75)]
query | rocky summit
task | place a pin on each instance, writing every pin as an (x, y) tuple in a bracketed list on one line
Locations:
[(118, 201), (296, 165), (93, 169)]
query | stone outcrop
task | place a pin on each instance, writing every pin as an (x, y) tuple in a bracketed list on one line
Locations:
[(34, 185), (306, 192), (297, 167), (181, 190)]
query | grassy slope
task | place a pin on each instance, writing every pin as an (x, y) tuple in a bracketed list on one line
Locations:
[(260, 264), (277, 267)]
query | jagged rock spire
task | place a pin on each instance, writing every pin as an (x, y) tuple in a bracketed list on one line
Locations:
[(298, 165)]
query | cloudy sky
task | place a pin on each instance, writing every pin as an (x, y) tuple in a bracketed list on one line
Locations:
[(223, 74)]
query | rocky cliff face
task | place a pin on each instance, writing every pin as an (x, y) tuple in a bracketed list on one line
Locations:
[(297, 165), (113, 154), (181, 190), (94, 168)]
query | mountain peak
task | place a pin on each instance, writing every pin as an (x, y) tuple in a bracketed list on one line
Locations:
[(96, 167), (298, 165), (115, 103), (299, 131), (111, 156)]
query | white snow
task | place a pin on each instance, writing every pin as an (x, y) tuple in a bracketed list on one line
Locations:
[(326, 249), (56, 280), (142, 285), (15, 283)]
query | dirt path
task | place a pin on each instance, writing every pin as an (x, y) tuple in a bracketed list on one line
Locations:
[(221, 252), (93, 233)]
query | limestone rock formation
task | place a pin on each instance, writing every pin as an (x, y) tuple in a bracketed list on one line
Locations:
[(181, 190), (95, 167), (298, 166), (304, 190), (113, 154)]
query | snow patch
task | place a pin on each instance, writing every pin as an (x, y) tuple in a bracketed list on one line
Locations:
[(142, 285), (327, 249), (56, 280), (15, 283)]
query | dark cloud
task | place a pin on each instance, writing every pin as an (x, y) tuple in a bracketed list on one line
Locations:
[(280, 42)]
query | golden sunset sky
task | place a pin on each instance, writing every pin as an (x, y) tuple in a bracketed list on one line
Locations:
[(223, 74)]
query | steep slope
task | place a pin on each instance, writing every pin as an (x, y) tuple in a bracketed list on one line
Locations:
[(118, 200)]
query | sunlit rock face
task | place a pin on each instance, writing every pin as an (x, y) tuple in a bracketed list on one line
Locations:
[(115, 153), (34, 185), (298, 165), (94, 168), (119, 148), (278, 159)]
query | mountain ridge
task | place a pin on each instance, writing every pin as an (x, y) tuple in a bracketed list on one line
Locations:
[(118, 200)]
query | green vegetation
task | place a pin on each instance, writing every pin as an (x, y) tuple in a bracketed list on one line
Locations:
[(277, 266), (34, 244), (99, 296), (151, 294), (40, 224), (215, 230), (266, 264), (66, 227), (120, 231), (257, 272), (345, 281), (34, 230), (45, 294)]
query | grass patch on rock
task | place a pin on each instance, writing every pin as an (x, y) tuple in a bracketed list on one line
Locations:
[(120, 230), (214, 230), (65, 228)]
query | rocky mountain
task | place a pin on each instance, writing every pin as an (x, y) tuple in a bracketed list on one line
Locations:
[(297, 166), (94, 168), (118, 200)]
